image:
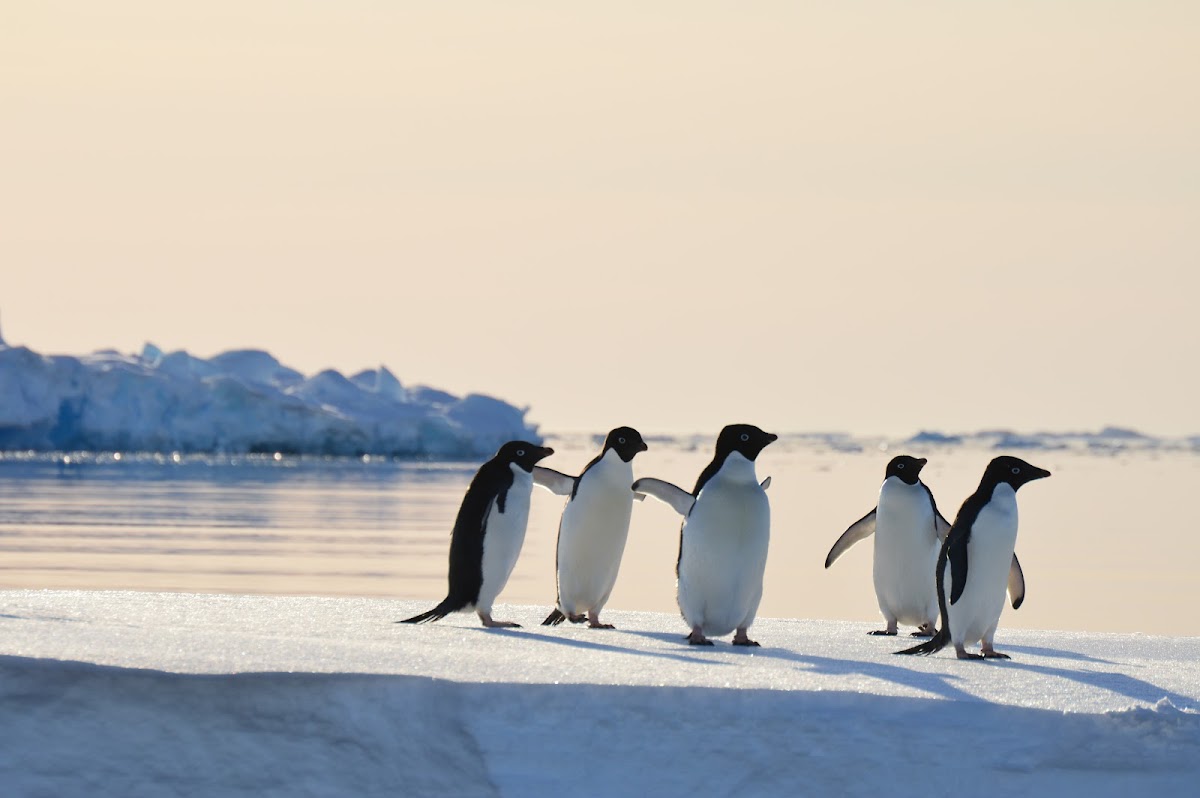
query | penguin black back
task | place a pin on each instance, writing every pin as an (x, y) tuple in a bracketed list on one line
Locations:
[(489, 485), (1005, 469)]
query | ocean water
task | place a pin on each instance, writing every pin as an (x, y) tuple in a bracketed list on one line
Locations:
[(1108, 543)]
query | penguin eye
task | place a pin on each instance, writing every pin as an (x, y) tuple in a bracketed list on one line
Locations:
[(620, 440), (520, 452), (899, 465), (1016, 470), (745, 437)]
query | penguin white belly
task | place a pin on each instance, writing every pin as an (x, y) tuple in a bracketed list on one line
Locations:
[(504, 534), (989, 555), (723, 556), (906, 551), (592, 535)]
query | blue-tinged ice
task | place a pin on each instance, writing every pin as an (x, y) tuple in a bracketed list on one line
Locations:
[(239, 401)]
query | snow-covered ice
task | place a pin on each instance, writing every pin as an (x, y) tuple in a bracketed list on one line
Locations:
[(239, 401), (118, 693)]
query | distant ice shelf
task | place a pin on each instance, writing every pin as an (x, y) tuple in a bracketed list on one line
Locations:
[(236, 402)]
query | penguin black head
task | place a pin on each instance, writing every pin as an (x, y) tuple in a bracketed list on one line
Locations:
[(626, 442), (908, 469), (745, 439), (1013, 470), (522, 453)]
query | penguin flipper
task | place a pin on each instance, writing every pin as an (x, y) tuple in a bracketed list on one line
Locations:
[(437, 613), (766, 483), (1016, 583), (679, 499), (941, 527), (862, 528), (556, 482), (956, 553)]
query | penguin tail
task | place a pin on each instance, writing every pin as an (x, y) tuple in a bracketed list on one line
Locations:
[(554, 618), (932, 645), (436, 614)]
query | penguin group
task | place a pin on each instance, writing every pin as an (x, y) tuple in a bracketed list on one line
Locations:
[(948, 580)]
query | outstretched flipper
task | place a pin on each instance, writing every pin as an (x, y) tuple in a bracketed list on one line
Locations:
[(437, 613), (1016, 583), (862, 528), (556, 482), (679, 499)]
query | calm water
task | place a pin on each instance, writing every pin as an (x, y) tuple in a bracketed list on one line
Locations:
[(1108, 543)]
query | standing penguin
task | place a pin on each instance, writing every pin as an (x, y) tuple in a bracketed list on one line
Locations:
[(724, 537), (488, 533), (593, 528), (908, 531), (979, 552)]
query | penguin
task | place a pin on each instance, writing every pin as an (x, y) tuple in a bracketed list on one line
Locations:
[(593, 527), (909, 532), (981, 562), (724, 537), (488, 533)]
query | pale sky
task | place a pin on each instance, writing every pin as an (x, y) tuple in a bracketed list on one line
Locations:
[(872, 217)]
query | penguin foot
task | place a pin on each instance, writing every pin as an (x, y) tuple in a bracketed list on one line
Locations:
[(925, 631), (883, 633), (576, 617), (993, 654), (746, 642), (697, 638), (968, 655), (598, 625), (491, 624)]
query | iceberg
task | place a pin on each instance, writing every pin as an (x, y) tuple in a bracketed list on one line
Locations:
[(242, 401)]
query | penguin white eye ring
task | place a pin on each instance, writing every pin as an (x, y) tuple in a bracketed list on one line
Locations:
[(520, 452), (620, 440), (1016, 470), (899, 465), (745, 437)]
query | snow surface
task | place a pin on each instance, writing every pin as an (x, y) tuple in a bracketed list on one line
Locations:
[(130, 694), (239, 401)]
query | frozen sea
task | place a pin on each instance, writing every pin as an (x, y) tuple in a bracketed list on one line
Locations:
[(1107, 543)]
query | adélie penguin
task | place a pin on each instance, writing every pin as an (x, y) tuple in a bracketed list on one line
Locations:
[(908, 532), (724, 538), (593, 528), (488, 533), (977, 561)]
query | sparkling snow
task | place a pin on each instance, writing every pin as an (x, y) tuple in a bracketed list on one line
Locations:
[(118, 693)]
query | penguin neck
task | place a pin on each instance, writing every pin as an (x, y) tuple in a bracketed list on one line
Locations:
[(610, 463), (737, 468)]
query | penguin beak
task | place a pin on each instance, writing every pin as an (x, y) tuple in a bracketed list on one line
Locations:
[(546, 452), (643, 447), (921, 461), (1039, 473), (772, 437)]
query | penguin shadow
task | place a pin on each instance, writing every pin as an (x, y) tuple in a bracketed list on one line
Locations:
[(577, 642), (1120, 683), (939, 683), (1055, 653)]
